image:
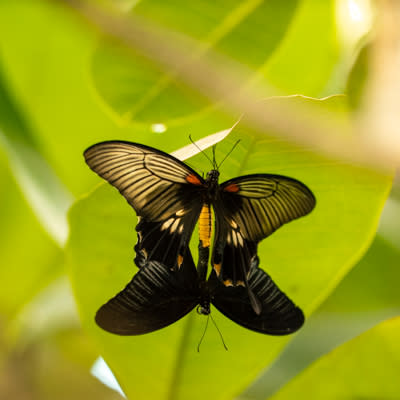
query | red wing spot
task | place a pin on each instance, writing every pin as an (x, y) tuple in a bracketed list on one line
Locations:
[(232, 188), (193, 179)]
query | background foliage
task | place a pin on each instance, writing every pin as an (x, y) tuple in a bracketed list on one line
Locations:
[(65, 86)]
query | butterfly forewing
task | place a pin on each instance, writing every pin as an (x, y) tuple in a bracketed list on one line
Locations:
[(151, 181), (161, 189), (262, 203), (249, 209)]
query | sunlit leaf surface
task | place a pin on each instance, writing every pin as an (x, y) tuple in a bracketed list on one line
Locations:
[(306, 258), (365, 297), (365, 368)]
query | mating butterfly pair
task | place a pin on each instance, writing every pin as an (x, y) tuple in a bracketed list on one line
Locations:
[(170, 198)]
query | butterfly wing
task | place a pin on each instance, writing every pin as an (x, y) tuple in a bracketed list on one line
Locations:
[(249, 209), (278, 316), (261, 203), (162, 190), (156, 297)]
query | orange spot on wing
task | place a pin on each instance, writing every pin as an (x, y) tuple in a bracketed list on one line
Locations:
[(233, 188), (217, 268), (193, 179), (180, 260)]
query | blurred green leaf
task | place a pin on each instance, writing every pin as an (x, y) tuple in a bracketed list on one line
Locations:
[(30, 258), (372, 285), (47, 75), (57, 368), (310, 53), (323, 247), (389, 225), (50, 311), (12, 123), (136, 90), (365, 297), (365, 368), (43, 191), (357, 78), (49, 70)]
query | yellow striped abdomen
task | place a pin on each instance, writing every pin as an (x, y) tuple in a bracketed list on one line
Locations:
[(205, 226)]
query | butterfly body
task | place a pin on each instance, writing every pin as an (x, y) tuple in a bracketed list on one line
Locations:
[(170, 198)]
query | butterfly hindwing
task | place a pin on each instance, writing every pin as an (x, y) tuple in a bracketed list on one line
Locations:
[(249, 209), (278, 316), (232, 253), (156, 297), (165, 241)]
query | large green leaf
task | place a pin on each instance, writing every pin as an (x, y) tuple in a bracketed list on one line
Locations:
[(372, 285), (367, 367), (306, 258), (365, 297)]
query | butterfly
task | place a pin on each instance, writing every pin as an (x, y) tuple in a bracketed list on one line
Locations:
[(170, 198)]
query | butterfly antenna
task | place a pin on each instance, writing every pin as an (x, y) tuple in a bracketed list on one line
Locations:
[(198, 148), (220, 334), (204, 332), (215, 166), (230, 151)]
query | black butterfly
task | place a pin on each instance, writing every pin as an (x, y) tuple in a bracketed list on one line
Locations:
[(170, 198)]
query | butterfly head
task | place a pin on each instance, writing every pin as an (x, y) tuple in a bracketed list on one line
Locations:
[(204, 308), (212, 184), (212, 176)]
